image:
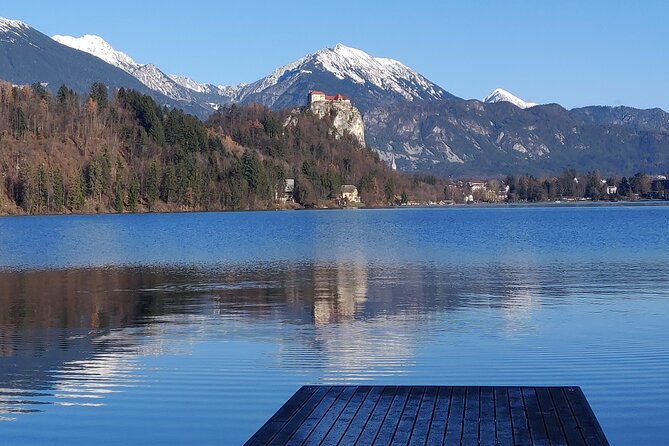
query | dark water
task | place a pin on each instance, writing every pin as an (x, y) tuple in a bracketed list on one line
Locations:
[(194, 328)]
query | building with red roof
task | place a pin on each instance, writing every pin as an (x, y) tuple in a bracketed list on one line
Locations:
[(318, 96)]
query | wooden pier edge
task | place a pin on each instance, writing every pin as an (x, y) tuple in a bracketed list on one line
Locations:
[(433, 415)]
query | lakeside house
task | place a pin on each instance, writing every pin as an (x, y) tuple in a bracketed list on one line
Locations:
[(288, 189), (660, 188), (476, 185), (349, 193)]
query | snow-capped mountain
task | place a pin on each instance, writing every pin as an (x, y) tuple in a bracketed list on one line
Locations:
[(221, 90), (501, 95), (99, 47), (371, 81), (28, 56), (148, 74), (15, 27)]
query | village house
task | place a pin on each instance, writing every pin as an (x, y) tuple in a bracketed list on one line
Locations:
[(611, 190), (660, 188), (286, 196), (474, 186), (319, 96), (349, 193)]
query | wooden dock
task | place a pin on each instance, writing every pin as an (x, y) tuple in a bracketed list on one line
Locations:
[(385, 415)]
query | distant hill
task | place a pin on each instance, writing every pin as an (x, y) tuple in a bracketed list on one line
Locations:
[(473, 138), (654, 119)]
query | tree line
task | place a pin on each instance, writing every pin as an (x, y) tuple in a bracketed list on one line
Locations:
[(574, 185), (120, 151)]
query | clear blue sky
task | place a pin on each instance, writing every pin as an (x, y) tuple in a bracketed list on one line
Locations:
[(572, 52)]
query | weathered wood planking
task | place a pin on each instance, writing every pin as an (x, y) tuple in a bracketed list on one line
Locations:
[(431, 415)]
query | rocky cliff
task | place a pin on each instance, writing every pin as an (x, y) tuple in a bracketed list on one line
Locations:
[(345, 118), (473, 138)]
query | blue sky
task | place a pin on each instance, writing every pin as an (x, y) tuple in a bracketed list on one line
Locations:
[(575, 53)]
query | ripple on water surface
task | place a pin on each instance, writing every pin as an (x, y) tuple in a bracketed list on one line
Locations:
[(195, 328)]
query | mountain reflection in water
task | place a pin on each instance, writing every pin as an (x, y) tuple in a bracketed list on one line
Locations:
[(204, 351)]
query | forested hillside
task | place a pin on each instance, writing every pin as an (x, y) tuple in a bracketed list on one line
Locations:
[(120, 152)]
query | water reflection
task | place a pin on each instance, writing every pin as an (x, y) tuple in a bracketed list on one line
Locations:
[(77, 337)]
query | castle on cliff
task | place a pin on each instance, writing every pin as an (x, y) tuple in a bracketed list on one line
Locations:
[(345, 117), (319, 96)]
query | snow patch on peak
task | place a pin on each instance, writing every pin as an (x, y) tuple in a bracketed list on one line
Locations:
[(189, 83), (221, 90), (350, 64), (387, 74), (99, 48), (501, 95), (148, 74), (11, 25)]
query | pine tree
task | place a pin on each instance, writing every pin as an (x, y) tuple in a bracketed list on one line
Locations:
[(152, 185), (133, 194), (77, 191), (58, 190), (118, 198), (99, 95), (19, 122)]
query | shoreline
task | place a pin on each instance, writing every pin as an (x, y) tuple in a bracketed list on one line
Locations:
[(527, 205)]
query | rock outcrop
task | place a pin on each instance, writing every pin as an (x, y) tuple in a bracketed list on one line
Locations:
[(346, 118)]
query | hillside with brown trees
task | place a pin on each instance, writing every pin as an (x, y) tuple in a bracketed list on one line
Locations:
[(121, 152)]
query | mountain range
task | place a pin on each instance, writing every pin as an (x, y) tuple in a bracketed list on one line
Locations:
[(408, 118)]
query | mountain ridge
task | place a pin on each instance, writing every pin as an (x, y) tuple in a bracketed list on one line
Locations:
[(407, 117)]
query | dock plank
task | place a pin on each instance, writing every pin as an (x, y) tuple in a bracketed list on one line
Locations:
[(279, 419), (347, 416), (551, 421), (365, 432), (326, 422), (534, 417), (408, 417), (590, 428), (440, 416), (487, 416), (455, 417), (503, 426), (521, 430), (470, 428), (570, 427), (304, 430), (387, 430), (284, 434), (425, 417), (433, 415)]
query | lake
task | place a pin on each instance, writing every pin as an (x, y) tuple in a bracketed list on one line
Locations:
[(195, 328)]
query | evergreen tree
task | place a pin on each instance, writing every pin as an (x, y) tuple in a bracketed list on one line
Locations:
[(77, 192), (133, 194), (118, 198), (19, 122), (99, 95), (58, 188), (152, 185), (42, 193)]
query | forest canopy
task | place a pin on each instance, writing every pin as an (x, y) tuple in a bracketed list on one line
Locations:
[(120, 151)]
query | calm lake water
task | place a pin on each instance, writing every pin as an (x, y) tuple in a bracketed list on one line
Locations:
[(195, 328)]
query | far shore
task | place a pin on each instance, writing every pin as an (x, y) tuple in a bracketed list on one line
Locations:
[(482, 205)]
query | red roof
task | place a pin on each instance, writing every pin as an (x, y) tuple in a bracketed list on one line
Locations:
[(337, 97)]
